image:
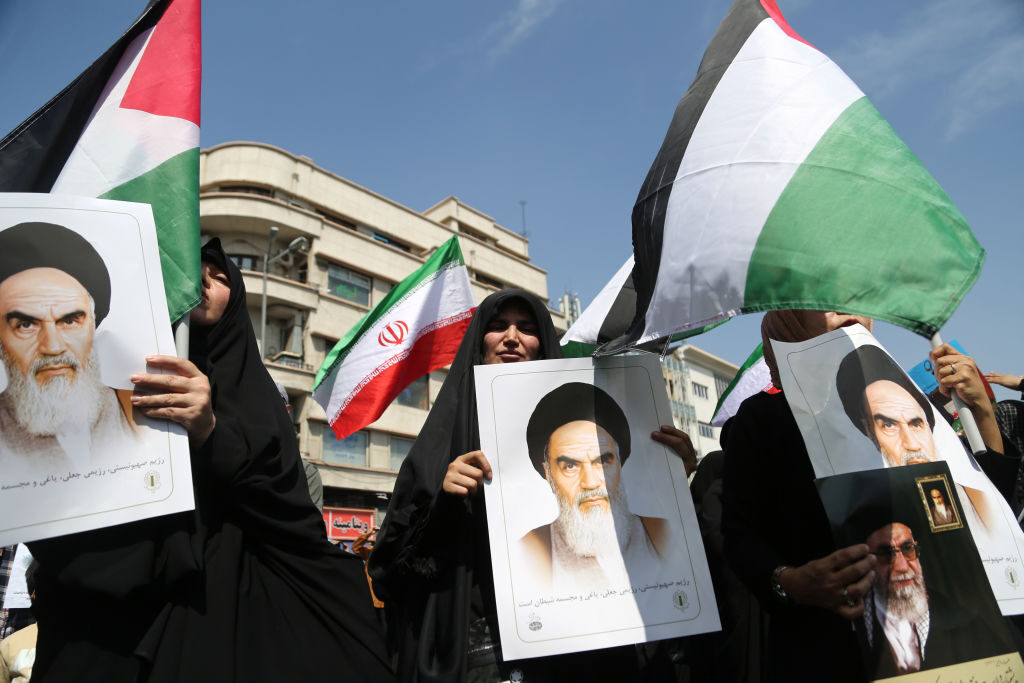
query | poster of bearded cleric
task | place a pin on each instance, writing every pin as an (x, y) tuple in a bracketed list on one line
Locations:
[(81, 306), (593, 537), (929, 613), (857, 410)]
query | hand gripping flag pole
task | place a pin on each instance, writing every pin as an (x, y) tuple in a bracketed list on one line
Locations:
[(970, 426)]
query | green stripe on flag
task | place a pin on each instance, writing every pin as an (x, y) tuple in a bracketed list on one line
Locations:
[(862, 209), (448, 255), (755, 355), (172, 188)]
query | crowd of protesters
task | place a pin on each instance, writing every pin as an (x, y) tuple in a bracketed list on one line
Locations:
[(247, 587)]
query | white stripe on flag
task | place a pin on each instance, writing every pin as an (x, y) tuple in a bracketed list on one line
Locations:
[(117, 144), (772, 105), (438, 299), (756, 379), (587, 327)]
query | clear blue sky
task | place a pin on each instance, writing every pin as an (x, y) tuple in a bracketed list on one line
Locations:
[(564, 103)]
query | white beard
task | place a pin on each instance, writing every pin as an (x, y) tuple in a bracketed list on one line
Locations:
[(598, 531), (908, 602), (59, 406)]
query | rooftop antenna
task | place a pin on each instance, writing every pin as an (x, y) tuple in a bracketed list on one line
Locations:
[(522, 203)]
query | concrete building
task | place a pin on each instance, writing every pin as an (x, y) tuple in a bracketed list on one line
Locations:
[(358, 244), (570, 307), (695, 379)]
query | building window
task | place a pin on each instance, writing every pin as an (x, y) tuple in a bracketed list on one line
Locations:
[(246, 262), (399, 449), (699, 390), (321, 347), (247, 189), (721, 384), (334, 218), (348, 284), (707, 430), (489, 281), (348, 451), (416, 395), (391, 241)]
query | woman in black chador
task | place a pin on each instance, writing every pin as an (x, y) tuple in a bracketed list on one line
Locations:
[(246, 587), (431, 564)]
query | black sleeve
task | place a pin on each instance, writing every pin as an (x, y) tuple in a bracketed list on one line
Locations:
[(748, 546), (1001, 468)]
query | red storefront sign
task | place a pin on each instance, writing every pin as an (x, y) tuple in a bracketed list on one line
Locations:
[(347, 523)]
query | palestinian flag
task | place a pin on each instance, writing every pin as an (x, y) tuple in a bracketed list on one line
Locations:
[(128, 129), (415, 329), (610, 314), (779, 185), (607, 316), (752, 378)]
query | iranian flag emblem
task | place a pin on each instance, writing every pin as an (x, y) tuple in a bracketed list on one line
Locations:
[(416, 328)]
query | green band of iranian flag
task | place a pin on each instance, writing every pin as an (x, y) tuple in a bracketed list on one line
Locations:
[(753, 377), (416, 328), (779, 185)]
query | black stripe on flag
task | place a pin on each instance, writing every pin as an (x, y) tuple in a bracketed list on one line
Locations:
[(34, 153), (620, 315), (652, 201)]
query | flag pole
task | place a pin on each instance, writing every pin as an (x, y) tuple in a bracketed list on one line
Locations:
[(966, 416), (181, 337)]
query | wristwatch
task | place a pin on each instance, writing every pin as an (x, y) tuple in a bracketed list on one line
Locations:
[(777, 588)]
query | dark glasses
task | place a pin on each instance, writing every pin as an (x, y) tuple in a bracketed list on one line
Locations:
[(909, 550)]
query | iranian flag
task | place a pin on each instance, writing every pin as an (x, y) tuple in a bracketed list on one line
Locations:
[(128, 129), (752, 378), (416, 328), (779, 185)]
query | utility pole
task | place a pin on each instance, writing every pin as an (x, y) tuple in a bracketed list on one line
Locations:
[(522, 203)]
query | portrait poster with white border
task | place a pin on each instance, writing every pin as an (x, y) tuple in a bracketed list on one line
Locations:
[(74, 456), (566, 578), (929, 612), (826, 380)]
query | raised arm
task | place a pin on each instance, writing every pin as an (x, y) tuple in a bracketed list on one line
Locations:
[(956, 372)]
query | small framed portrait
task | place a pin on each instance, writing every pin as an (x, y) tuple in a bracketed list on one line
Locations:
[(937, 498)]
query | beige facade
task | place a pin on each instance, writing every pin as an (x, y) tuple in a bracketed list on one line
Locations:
[(360, 244), (695, 379)]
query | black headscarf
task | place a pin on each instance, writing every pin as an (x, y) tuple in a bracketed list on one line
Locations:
[(277, 601), (244, 588), (430, 543)]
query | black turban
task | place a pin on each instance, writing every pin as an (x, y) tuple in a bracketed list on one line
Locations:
[(569, 403), (45, 245), (862, 367)]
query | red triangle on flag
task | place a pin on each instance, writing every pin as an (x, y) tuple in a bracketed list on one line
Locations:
[(168, 78)]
